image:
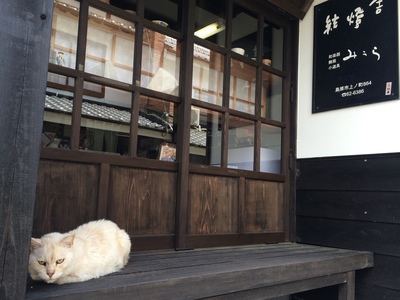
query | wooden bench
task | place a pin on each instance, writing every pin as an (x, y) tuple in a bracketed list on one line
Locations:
[(245, 272)]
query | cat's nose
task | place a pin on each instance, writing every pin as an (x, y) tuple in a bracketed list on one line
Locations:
[(50, 273)]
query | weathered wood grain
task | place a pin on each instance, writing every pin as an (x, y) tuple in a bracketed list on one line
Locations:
[(25, 34), (262, 209), (67, 196), (142, 201), (353, 202), (229, 273), (213, 204)]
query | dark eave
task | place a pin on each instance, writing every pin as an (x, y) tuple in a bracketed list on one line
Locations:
[(297, 8)]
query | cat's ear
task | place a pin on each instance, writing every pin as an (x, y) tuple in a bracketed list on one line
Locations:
[(68, 241), (35, 243)]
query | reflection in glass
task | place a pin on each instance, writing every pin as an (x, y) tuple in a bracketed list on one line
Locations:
[(205, 137), (160, 62), (57, 113), (273, 46), (64, 33), (156, 128), (271, 97), (244, 32), (242, 87), (207, 75), (109, 46), (210, 21), (241, 144), (271, 144), (105, 122), (166, 11)]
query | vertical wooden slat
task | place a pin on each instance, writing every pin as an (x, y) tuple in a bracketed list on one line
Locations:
[(25, 31), (104, 182), (242, 195)]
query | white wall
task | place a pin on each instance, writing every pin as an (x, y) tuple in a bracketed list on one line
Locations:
[(366, 129)]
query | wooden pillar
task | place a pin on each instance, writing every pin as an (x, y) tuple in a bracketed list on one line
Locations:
[(347, 290), (25, 28), (185, 81)]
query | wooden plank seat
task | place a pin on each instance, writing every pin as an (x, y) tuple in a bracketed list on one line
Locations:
[(243, 272)]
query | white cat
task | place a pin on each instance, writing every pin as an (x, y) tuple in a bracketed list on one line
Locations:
[(90, 251)]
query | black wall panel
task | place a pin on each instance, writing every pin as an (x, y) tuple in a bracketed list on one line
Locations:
[(353, 202)]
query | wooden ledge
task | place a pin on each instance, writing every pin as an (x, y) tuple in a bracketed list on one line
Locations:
[(229, 272)]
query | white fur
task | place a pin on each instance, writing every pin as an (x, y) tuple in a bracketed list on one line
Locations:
[(90, 251)]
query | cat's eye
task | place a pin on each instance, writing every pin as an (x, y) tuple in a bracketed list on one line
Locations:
[(40, 262), (60, 261)]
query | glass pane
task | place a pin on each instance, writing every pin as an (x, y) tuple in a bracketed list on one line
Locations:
[(271, 97), (208, 67), (242, 87), (156, 129), (210, 20), (105, 121), (160, 62), (205, 137), (164, 12), (241, 144), (273, 46), (271, 144), (58, 112), (244, 32), (109, 46), (64, 33)]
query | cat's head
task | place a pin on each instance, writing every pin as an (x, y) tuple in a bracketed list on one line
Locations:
[(50, 256)]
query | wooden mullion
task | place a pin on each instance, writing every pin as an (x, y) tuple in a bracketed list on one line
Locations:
[(257, 147), (76, 114), (79, 81), (260, 42), (226, 86), (183, 126), (225, 140), (82, 36), (137, 73), (258, 101)]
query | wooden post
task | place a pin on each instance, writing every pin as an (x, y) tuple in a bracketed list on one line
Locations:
[(25, 29), (347, 290)]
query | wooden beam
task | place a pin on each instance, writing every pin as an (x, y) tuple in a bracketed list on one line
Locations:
[(307, 5), (290, 7), (25, 29)]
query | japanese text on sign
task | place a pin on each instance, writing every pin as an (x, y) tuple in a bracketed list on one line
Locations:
[(355, 53)]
